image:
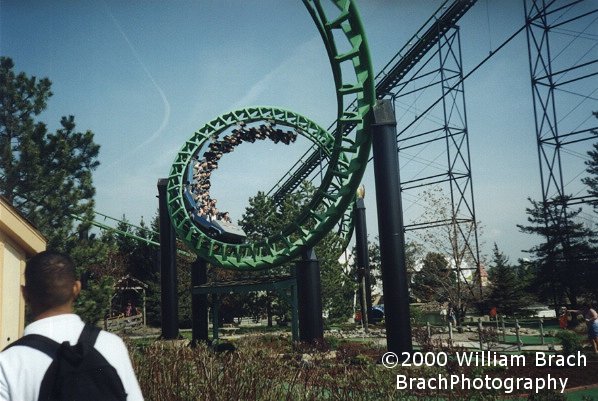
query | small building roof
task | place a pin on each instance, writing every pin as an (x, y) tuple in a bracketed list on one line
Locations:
[(20, 230), (129, 282)]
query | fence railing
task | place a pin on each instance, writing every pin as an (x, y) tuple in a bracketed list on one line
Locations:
[(518, 331), (123, 323)]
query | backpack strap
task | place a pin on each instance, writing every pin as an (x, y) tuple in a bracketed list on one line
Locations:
[(38, 342), (89, 335)]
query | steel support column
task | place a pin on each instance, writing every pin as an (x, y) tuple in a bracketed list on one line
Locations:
[(168, 273), (199, 302), (363, 260), (391, 230), (309, 293)]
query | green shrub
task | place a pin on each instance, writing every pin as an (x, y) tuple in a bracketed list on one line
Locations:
[(268, 368), (570, 341), (333, 342), (417, 315)]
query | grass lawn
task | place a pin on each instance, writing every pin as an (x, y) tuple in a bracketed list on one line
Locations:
[(530, 340)]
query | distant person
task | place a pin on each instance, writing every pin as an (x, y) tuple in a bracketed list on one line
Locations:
[(563, 318), (591, 318), (451, 315), (493, 313), (51, 287), (129, 309)]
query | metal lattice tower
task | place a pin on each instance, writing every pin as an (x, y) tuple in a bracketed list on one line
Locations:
[(430, 60), (440, 133), (387, 80), (562, 40)]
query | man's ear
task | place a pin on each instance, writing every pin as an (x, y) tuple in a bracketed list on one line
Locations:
[(76, 289)]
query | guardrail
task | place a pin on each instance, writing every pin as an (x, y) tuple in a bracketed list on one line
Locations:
[(124, 323), (518, 332)]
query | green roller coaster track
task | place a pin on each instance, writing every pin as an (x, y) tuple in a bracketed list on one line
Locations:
[(446, 15), (347, 155)]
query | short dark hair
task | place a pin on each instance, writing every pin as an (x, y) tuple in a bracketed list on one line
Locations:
[(49, 279)]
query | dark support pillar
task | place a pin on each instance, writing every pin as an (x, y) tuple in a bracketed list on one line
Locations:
[(168, 275), (199, 302), (391, 229), (363, 260), (309, 297), (294, 314), (215, 316)]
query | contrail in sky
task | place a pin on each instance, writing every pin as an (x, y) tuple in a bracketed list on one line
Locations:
[(165, 102), (280, 70)]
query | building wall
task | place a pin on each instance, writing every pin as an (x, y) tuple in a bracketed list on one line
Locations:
[(12, 313), (18, 241)]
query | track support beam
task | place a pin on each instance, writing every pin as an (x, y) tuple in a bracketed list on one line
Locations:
[(168, 273), (309, 293), (363, 261), (199, 303), (391, 229)]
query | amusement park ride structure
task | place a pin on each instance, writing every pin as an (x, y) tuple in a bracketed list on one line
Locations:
[(341, 153)]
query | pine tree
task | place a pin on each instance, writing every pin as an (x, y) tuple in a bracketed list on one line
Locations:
[(263, 219), (564, 260), (592, 169), (45, 175), (260, 220), (507, 292)]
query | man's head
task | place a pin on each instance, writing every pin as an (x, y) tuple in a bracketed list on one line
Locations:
[(51, 283)]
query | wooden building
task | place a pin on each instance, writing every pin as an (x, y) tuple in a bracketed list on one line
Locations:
[(19, 240)]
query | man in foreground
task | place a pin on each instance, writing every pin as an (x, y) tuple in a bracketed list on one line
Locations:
[(51, 287)]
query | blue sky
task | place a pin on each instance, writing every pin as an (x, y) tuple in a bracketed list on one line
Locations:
[(143, 76)]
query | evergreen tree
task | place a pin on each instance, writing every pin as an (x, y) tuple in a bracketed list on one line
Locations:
[(45, 175), (526, 272), (592, 169), (592, 183), (132, 254), (263, 219), (337, 285), (564, 261), (507, 292), (260, 220)]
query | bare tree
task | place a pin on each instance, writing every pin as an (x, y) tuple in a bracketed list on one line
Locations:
[(441, 230)]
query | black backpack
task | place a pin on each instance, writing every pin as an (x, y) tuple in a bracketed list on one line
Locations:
[(77, 372)]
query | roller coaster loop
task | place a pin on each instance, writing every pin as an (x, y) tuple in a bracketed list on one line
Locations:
[(340, 27)]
